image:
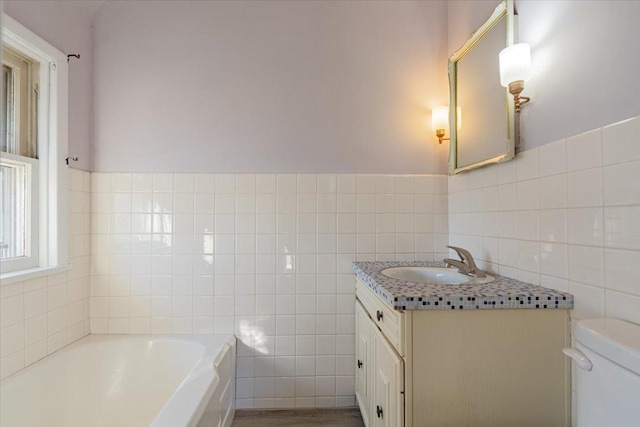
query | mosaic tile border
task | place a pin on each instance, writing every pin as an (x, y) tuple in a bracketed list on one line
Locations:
[(502, 293)]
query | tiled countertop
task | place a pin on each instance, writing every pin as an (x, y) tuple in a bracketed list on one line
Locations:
[(502, 293)]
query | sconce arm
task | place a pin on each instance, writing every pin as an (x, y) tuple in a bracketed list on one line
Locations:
[(519, 101), (440, 134)]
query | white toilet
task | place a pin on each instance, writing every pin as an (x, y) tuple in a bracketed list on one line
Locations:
[(607, 361)]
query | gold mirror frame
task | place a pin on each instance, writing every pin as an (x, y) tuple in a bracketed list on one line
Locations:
[(505, 10)]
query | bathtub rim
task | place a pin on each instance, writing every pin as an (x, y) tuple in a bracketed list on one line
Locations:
[(189, 399), (187, 404)]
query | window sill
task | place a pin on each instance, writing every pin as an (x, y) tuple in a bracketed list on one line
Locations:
[(32, 273)]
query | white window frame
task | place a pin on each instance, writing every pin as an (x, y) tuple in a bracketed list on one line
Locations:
[(52, 240), (32, 198)]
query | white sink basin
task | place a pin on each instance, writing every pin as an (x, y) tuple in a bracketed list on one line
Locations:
[(438, 275)]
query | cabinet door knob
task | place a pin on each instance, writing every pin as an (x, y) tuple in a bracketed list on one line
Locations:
[(379, 411), (379, 315), (359, 364)]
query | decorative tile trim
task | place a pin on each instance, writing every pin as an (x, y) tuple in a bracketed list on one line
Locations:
[(502, 293)]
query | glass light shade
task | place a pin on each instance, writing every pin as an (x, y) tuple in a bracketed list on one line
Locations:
[(515, 63), (440, 118)]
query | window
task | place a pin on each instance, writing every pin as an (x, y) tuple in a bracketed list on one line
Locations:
[(18, 162), (33, 146)]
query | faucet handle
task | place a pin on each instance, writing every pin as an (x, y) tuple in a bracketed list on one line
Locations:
[(466, 257), (464, 254)]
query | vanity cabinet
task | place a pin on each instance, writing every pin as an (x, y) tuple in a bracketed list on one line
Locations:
[(423, 368), (364, 366), (388, 383), (379, 375)]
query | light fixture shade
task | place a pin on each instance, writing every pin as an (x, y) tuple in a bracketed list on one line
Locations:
[(440, 118), (515, 63)]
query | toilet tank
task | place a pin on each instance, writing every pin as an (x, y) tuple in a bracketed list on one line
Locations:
[(607, 369)]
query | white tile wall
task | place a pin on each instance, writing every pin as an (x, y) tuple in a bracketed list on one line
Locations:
[(267, 257), (567, 216), (42, 315)]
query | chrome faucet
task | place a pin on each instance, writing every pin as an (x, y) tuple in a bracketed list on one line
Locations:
[(466, 265)]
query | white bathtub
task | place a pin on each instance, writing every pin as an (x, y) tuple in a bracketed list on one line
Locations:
[(126, 381)]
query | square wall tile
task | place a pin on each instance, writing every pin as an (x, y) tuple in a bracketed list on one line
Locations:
[(622, 306), (586, 265), (584, 151), (584, 188), (585, 226), (622, 227), (620, 141), (553, 225), (527, 165), (622, 270), (553, 158), (622, 183), (589, 301)]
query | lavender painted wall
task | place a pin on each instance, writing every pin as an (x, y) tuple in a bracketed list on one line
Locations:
[(316, 86), (269, 86), (585, 62), (67, 26)]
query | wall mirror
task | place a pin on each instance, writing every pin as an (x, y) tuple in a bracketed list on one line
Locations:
[(488, 129)]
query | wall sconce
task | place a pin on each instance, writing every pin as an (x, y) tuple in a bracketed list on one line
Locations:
[(440, 121), (515, 69)]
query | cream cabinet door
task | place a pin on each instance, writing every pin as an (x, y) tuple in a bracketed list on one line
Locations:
[(363, 362), (388, 384)]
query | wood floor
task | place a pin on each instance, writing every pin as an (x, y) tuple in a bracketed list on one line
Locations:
[(299, 418)]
